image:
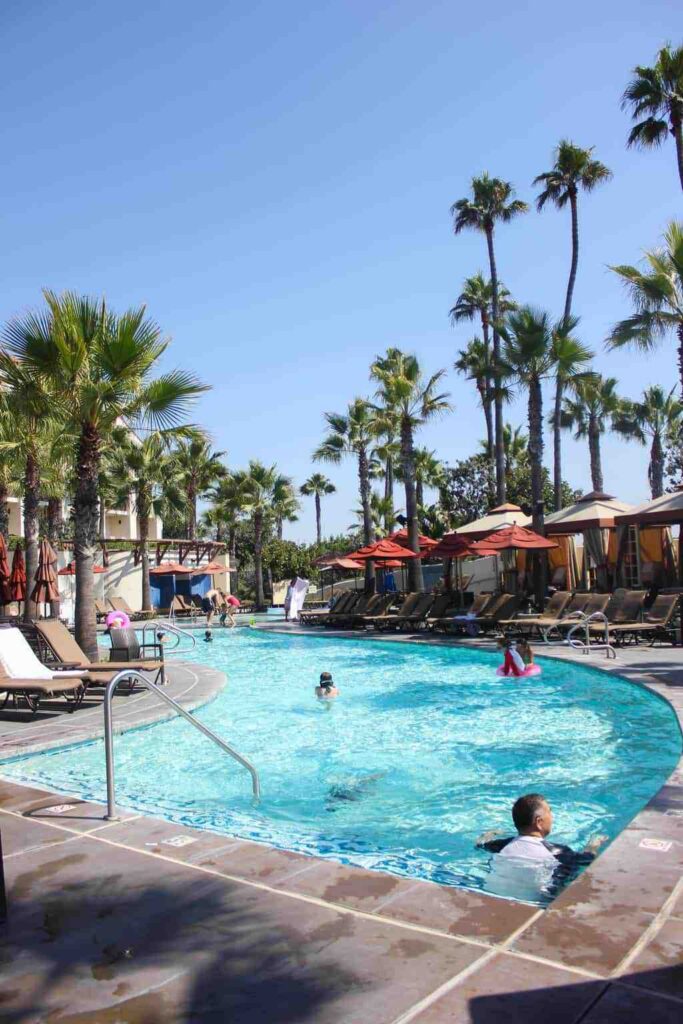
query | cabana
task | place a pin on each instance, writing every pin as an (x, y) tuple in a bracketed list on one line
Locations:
[(593, 516), (651, 523)]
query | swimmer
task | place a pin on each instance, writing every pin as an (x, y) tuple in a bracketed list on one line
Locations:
[(208, 636), (350, 791), (326, 690), (533, 820)]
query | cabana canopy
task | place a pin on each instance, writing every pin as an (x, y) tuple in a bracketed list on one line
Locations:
[(664, 511), (592, 511), (498, 518), (451, 545)]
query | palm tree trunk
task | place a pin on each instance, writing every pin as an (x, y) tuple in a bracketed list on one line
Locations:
[(575, 253), (364, 487), (191, 512), (31, 498), (4, 511), (278, 527), (103, 519), (419, 495), (595, 454), (144, 509), (557, 445), (389, 493), (656, 467), (484, 390), (497, 399), (54, 519), (415, 577), (258, 560), (318, 523), (678, 137), (536, 460), (85, 538), (679, 332)]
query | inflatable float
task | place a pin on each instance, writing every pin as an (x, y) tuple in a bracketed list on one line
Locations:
[(119, 620)]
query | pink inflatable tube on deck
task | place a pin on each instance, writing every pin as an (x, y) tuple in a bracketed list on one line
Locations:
[(119, 620), (530, 670)]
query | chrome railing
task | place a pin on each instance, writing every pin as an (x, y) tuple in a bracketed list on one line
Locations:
[(163, 626), (109, 735), (585, 645)]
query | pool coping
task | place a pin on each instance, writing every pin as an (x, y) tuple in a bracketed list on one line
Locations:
[(596, 929)]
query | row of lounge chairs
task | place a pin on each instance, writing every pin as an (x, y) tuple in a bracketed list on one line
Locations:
[(43, 660), (624, 617)]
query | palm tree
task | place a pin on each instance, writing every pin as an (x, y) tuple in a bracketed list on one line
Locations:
[(286, 505), (353, 433), (414, 400), (429, 472), (476, 364), (491, 202), (381, 512), (257, 490), (657, 294), (657, 92), (569, 361), (34, 423), (146, 469), (589, 413), (574, 169), (388, 453), (658, 416), (197, 468), (10, 466), (317, 485), (99, 367), (228, 506)]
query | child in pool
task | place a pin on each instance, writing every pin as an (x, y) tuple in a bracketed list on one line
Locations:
[(513, 664), (326, 690), (524, 649)]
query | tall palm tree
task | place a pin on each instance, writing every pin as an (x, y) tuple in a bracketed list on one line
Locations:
[(387, 451), (659, 417), (317, 486), (574, 169), (570, 358), (381, 511), (429, 472), (99, 367), (353, 434), (197, 468), (476, 361), (10, 465), (589, 413), (492, 202), (657, 294), (285, 504), (146, 469), (257, 488), (657, 92), (415, 400), (35, 422), (228, 506)]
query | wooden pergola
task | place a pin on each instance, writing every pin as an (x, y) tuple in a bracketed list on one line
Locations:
[(198, 548)]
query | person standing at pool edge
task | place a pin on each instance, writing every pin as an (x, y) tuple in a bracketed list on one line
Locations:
[(210, 602)]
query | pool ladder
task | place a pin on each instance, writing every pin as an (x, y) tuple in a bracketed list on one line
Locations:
[(164, 626), (585, 646), (179, 709)]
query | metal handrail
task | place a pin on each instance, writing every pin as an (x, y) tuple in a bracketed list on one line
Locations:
[(169, 627), (585, 646), (109, 736)]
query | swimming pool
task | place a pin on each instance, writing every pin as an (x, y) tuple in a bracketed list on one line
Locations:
[(424, 749)]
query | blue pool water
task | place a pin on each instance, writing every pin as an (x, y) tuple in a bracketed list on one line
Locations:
[(424, 749)]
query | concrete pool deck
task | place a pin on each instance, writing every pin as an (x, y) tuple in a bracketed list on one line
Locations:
[(143, 920)]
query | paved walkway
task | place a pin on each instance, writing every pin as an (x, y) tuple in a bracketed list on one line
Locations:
[(144, 921)]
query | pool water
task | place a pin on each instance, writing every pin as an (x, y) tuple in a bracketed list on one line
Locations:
[(424, 749)]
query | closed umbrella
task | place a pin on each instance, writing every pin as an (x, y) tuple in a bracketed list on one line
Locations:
[(46, 589), (17, 579), (5, 597)]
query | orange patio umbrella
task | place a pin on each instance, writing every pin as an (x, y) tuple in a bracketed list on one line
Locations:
[(401, 537), (517, 537), (17, 579), (451, 545), (46, 588), (5, 597), (382, 550), (70, 569)]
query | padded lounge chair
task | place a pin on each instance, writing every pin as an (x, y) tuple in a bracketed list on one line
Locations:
[(309, 618), (387, 620), (624, 607), (497, 605), (101, 610), (32, 691), (179, 606), (23, 674), (445, 605), (358, 607), (67, 652), (379, 604), (479, 605), (555, 610), (656, 624), (582, 603), (417, 618), (119, 604)]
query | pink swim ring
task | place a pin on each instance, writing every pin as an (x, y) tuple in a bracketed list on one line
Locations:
[(119, 620), (530, 670)]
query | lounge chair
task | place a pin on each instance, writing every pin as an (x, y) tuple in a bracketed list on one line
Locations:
[(386, 619), (358, 607), (417, 618), (582, 603), (101, 610), (119, 604), (445, 605), (67, 652), (477, 612), (625, 607), (308, 618), (23, 675), (126, 651), (656, 624), (379, 604), (501, 607), (179, 606), (555, 609), (480, 603)]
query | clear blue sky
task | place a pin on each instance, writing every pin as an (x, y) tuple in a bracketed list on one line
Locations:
[(274, 181)]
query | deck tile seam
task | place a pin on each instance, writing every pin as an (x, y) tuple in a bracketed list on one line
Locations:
[(34, 849), (651, 931), (423, 1004)]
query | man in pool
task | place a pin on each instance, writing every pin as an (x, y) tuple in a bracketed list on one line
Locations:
[(326, 690), (533, 820)]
